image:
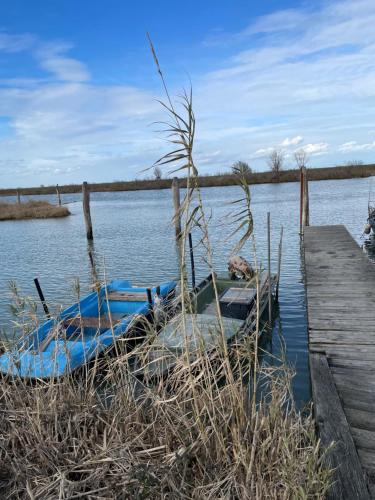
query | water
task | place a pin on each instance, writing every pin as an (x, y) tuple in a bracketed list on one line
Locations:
[(134, 239)]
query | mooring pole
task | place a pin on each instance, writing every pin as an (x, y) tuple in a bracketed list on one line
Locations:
[(307, 199), (58, 195), (18, 197), (269, 267), (305, 209), (86, 210), (176, 204), (192, 261), (42, 299), (301, 201), (279, 262)]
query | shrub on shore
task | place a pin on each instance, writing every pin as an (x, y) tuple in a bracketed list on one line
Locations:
[(31, 210)]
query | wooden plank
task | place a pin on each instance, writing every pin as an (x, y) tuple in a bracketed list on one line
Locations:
[(364, 440), (349, 479), (89, 322), (340, 295), (128, 296), (361, 419)]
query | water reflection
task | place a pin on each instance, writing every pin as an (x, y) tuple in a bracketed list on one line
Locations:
[(135, 240)]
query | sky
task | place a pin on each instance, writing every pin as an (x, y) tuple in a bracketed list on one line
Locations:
[(79, 89)]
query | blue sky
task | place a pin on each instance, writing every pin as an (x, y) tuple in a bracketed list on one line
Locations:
[(79, 90)]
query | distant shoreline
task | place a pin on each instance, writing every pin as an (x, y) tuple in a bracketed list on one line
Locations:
[(314, 174)]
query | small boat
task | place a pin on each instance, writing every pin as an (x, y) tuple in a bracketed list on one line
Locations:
[(202, 329), (83, 331)]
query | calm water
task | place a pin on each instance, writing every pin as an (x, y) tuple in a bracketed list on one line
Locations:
[(134, 239)]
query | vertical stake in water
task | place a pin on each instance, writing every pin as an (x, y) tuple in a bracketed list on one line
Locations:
[(42, 299), (192, 261), (269, 267), (58, 195), (306, 208), (279, 262), (18, 196), (176, 204), (301, 201), (86, 210)]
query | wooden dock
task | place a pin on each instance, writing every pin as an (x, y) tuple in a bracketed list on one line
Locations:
[(340, 287)]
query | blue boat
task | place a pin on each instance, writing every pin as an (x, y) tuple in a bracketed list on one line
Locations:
[(83, 331)]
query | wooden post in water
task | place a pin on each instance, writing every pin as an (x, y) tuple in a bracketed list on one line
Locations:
[(301, 201), (58, 195), (86, 210), (176, 204), (305, 211), (269, 267), (279, 262), (18, 197)]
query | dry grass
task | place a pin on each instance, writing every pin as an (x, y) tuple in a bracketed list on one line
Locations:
[(31, 210), (200, 440)]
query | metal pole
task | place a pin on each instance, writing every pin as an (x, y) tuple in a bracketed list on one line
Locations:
[(269, 267), (192, 261), (42, 299), (279, 262), (149, 297)]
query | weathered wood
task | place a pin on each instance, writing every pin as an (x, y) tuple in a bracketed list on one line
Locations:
[(349, 480), (269, 266), (90, 322), (86, 210), (177, 208), (279, 263), (128, 296), (18, 196), (341, 325), (58, 195)]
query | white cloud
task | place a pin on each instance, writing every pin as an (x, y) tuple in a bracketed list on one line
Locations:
[(262, 152), (316, 149), (293, 141), (350, 146)]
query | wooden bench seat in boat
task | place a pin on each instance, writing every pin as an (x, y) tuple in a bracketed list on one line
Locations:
[(128, 296), (90, 322)]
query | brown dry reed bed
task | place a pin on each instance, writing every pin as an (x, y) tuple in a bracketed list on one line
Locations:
[(31, 210), (188, 436)]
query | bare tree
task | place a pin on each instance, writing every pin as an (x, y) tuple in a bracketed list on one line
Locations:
[(241, 168), (301, 158), (157, 173), (354, 163), (275, 162)]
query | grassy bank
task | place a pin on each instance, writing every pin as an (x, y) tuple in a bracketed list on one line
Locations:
[(315, 174), (31, 210)]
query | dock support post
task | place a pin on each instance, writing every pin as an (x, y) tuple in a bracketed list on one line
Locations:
[(269, 267), (305, 211), (18, 197), (176, 204), (279, 262), (86, 210), (301, 201), (58, 195), (304, 200)]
